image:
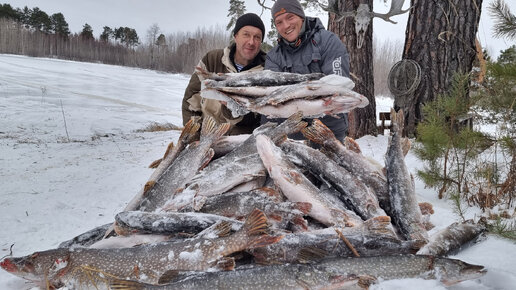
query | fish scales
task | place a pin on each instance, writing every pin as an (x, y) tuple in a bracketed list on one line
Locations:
[(184, 166), (369, 173), (146, 263), (405, 208), (128, 223), (258, 78), (240, 165), (448, 271), (291, 276), (337, 273), (296, 187), (452, 238), (353, 191)]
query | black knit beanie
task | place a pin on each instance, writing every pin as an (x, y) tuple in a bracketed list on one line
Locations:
[(287, 6), (250, 19)]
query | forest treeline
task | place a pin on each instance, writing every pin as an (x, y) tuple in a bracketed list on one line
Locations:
[(33, 32)]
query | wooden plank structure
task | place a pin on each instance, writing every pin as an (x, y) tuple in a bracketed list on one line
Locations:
[(384, 116)]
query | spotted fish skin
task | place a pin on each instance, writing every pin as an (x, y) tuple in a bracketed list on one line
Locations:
[(146, 263), (290, 277), (406, 213)]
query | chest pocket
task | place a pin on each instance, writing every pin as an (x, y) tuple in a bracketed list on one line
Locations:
[(312, 58)]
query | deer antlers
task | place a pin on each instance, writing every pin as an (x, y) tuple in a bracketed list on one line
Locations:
[(395, 9)]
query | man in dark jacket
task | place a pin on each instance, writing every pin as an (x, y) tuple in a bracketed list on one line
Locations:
[(243, 55), (305, 46)]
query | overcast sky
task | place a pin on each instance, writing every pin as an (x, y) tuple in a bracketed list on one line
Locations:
[(188, 15)]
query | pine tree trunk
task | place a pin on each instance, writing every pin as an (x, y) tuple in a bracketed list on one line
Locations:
[(361, 121), (440, 37)]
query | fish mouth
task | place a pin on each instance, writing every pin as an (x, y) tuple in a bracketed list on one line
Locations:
[(9, 266), (471, 272)]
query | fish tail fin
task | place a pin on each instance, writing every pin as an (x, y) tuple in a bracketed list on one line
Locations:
[(256, 223), (378, 225), (208, 156), (426, 208), (170, 147), (352, 145), (255, 227), (293, 124), (148, 185), (303, 207), (155, 163), (210, 128), (299, 223), (262, 241), (117, 284), (190, 130), (318, 132)]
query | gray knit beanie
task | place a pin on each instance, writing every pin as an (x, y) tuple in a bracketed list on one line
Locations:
[(287, 6)]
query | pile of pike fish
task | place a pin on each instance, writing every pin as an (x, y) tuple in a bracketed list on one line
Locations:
[(262, 211)]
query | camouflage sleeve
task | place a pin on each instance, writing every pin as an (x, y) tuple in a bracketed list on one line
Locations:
[(335, 57), (191, 98)]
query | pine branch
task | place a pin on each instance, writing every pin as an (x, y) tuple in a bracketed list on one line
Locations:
[(505, 21)]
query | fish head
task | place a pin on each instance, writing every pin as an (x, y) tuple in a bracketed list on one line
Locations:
[(452, 271), (42, 266)]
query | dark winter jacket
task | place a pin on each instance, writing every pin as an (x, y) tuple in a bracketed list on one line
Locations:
[(219, 61), (320, 51)]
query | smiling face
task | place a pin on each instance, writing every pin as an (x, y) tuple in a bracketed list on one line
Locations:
[(248, 40), (288, 25)]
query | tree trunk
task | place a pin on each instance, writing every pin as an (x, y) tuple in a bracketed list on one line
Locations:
[(361, 121), (440, 37)]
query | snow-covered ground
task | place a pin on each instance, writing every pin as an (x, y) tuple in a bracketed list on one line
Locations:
[(71, 158)]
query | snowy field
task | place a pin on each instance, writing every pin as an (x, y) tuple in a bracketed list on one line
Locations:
[(71, 158)]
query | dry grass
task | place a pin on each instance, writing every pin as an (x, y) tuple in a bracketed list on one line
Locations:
[(157, 127)]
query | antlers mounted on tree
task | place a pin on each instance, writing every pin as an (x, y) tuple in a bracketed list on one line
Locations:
[(395, 9), (363, 15)]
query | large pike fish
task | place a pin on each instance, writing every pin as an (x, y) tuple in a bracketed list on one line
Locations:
[(405, 208), (238, 205), (355, 194), (338, 273), (131, 222), (184, 167), (254, 78), (146, 263), (452, 238), (288, 277), (448, 271), (372, 238), (239, 166), (296, 187), (326, 86)]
